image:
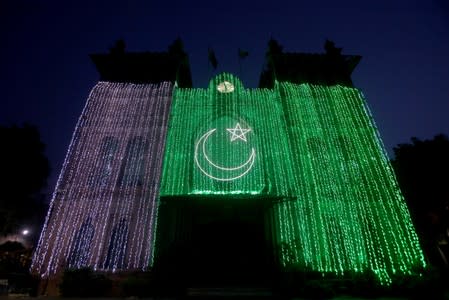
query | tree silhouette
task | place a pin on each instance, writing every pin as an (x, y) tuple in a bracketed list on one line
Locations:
[(422, 168), (24, 171)]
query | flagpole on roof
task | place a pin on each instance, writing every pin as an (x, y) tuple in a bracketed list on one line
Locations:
[(241, 54), (240, 65), (212, 59)]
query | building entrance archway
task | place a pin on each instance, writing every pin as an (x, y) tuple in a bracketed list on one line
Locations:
[(215, 241)]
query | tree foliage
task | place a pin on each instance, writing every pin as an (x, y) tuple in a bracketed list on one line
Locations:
[(24, 171), (422, 168), (84, 283)]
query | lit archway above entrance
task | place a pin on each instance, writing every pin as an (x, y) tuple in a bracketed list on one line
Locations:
[(225, 87)]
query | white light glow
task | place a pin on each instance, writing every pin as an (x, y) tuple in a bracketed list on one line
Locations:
[(103, 211), (225, 87), (238, 133), (227, 175)]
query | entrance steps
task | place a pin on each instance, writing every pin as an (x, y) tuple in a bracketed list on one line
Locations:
[(239, 292)]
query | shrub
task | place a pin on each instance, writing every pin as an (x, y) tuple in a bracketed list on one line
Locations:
[(84, 283)]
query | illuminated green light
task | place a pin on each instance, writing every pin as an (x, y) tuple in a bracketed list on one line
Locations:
[(317, 148), (204, 192)]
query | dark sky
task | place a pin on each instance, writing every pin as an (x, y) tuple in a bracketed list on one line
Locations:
[(46, 74)]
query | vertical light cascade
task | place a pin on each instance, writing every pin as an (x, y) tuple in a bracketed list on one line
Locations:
[(103, 209), (335, 203), (349, 214)]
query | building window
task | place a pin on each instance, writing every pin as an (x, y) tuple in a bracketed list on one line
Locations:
[(103, 170), (115, 258), (80, 250), (132, 172), (316, 146)]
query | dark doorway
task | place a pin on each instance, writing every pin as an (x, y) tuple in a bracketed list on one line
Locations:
[(228, 252), (218, 242)]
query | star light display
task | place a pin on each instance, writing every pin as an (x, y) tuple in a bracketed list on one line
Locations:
[(238, 133), (104, 207)]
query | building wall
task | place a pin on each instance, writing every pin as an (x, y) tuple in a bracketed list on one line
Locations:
[(349, 215), (311, 152), (104, 206), (336, 205)]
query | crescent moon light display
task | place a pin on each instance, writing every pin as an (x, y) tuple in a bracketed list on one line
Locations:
[(228, 173)]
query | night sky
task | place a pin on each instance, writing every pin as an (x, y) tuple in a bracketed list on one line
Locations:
[(46, 74)]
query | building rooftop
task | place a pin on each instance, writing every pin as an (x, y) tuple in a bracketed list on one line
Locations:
[(144, 67), (328, 68)]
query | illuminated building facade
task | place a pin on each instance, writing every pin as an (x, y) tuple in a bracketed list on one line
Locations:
[(292, 174)]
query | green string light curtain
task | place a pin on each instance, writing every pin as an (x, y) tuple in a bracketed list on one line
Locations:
[(315, 151)]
